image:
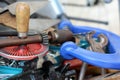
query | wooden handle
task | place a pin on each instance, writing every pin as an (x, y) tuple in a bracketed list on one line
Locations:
[(22, 17)]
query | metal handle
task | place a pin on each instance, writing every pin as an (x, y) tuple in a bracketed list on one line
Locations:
[(62, 37)]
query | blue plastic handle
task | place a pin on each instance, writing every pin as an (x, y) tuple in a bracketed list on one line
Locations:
[(70, 50)]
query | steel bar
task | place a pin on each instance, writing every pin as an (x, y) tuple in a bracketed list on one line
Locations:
[(88, 20), (59, 36)]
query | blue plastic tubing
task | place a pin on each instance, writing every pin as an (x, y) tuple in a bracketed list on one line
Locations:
[(70, 50)]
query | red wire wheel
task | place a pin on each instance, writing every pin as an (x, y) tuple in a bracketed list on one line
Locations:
[(24, 52)]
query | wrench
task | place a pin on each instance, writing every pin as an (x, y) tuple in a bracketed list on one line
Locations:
[(96, 47)]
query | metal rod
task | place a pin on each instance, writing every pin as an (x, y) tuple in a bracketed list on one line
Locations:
[(103, 71), (59, 36), (15, 33), (16, 41), (88, 20), (82, 71)]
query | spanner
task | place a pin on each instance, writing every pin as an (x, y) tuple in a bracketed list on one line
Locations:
[(96, 47)]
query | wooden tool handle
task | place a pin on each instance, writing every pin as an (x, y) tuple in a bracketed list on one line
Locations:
[(22, 17)]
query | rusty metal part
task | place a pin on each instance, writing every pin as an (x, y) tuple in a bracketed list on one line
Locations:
[(34, 6), (60, 36), (97, 46), (64, 35), (16, 41), (45, 39), (34, 24), (103, 40)]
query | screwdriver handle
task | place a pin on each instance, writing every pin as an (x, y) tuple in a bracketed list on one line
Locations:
[(22, 18)]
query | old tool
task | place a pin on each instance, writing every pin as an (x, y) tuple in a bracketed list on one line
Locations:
[(96, 47), (12, 52), (7, 19), (53, 37), (69, 50), (34, 6), (28, 51), (84, 65)]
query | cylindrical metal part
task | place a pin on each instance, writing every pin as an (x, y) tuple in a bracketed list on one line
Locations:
[(60, 36), (83, 70), (22, 35), (63, 35), (22, 19), (17, 41)]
